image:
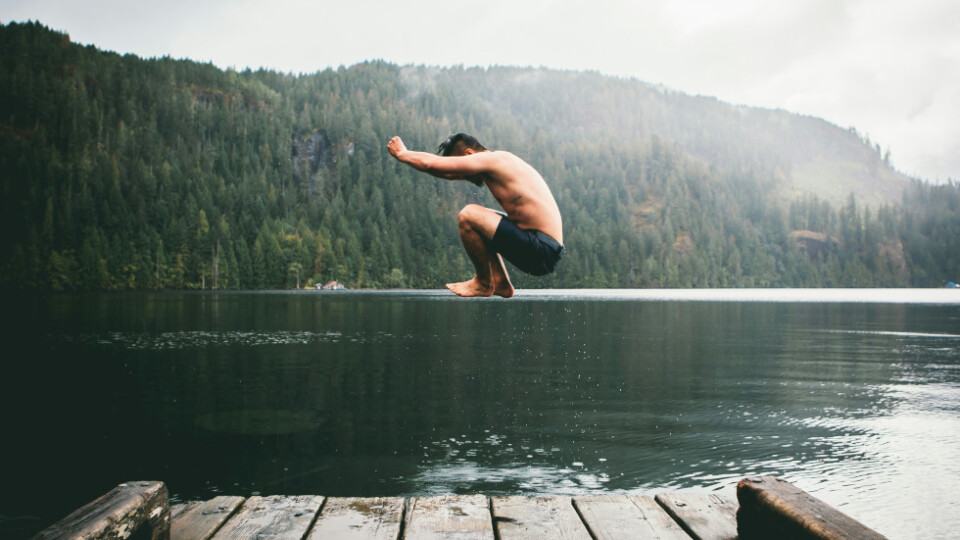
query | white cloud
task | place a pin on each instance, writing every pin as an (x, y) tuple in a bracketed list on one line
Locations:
[(890, 68)]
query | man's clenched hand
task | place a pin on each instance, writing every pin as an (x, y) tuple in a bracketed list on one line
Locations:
[(396, 147)]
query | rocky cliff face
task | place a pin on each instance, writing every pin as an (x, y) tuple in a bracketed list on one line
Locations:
[(311, 153), (815, 245)]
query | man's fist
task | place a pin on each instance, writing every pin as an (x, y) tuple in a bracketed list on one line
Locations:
[(396, 147)]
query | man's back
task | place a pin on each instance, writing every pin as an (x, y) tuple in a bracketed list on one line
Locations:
[(523, 194)]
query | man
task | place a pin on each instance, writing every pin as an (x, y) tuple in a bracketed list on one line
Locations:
[(529, 234)]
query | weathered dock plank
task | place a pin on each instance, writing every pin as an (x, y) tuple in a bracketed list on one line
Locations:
[(274, 517), (177, 510), (200, 520), (766, 507), (537, 518), (117, 514), (705, 516), (462, 517), (374, 518), (612, 517), (770, 507)]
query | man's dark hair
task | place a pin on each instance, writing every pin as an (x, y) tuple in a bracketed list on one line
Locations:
[(468, 141)]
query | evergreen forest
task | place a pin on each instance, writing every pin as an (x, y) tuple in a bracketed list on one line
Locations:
[(120, 172)]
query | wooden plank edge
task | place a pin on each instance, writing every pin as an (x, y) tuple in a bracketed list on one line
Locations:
[(250, 515), (406, 516), (403, 518), (181, 511), (118, 513), (583, 519), (182, 508), (550, 514), (678, 519), (316, 516), (771, 507), (410, 508), (495, 520), (708, 516)]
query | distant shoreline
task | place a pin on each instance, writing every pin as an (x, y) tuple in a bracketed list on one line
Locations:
[(939, 296)]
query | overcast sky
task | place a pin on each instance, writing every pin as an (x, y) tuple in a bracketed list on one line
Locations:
[(890, 68)]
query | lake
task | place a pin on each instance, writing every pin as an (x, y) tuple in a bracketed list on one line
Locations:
[(852, 395)]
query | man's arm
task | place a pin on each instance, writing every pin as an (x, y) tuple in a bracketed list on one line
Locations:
[(447, 167)]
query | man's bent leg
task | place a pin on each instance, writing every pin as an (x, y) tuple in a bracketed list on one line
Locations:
[(477, 227)]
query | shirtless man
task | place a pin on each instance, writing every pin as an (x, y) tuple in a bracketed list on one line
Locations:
[(529, 235)]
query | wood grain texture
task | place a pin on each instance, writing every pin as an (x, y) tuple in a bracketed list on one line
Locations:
[(772, 507), (275, 517), (705, 516), (177, 510), (537, 518), (766, 507), (611, 517), (461, 517), (117, 514), (377, 518), (199, 521)]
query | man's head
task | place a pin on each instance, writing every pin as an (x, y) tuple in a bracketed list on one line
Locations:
[(460, 144)]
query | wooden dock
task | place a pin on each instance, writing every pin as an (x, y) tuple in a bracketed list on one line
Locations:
[(765, 507), (667, 516)]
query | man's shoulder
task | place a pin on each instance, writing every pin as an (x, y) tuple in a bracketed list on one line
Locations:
[(504, 157)]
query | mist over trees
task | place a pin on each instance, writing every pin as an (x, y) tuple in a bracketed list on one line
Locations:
[(124, 173)]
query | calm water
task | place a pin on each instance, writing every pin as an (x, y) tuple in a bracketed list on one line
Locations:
[(852, 395)]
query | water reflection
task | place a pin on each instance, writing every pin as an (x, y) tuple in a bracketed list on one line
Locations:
[(407, 394)]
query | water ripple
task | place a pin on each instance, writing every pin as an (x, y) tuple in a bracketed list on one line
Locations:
[(196, 339)]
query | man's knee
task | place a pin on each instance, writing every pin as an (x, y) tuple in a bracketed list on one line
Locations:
[(469, 214), (475, 219)]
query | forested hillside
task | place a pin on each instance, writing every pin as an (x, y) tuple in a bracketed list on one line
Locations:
[(119, 172)]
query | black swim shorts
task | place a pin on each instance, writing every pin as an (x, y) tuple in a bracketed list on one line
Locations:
[(533, 252)]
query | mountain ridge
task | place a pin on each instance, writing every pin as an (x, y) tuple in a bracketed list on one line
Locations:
[(119, 172), (820, 157)]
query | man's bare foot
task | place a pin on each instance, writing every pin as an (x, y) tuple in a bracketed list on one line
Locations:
[(471, 288), (503, 288)]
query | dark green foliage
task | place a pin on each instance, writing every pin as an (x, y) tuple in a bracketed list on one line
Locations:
[(119, 173)]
